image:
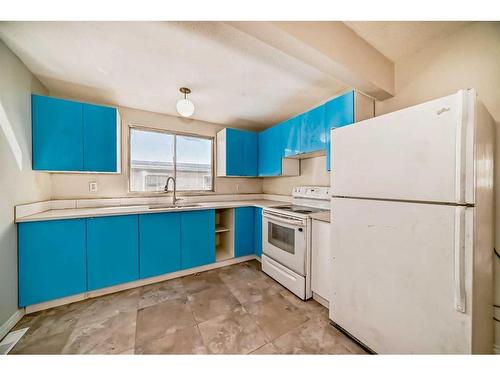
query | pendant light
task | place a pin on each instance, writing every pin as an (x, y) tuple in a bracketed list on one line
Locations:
[(185, 107)]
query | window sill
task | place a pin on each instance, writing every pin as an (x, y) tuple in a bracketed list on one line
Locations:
[(169, 194)]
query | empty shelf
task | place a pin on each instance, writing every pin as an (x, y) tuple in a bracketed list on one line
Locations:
[(220, 228)]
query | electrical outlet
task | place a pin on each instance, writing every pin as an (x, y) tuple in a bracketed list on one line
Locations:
[(93, 186)]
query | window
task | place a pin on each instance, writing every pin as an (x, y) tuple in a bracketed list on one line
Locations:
[(156, 155)]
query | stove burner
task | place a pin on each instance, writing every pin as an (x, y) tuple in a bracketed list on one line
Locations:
[(299, 209)]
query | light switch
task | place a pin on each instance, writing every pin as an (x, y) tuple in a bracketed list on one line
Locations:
[(93, 186)]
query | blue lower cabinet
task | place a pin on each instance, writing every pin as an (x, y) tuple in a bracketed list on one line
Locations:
[(197, 238), (52, 260), (112, 250), (258, 231), (244, 222), (159, 244)]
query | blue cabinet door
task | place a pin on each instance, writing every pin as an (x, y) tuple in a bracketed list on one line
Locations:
[(197, 238), (312, 130), (244, 235), (270, 152), (99, 138), (338, 112), (52, 260), (258, 231), (112, 250), (264, 153), (234, 152), (241, 153), (250, 154), (159, 244), (290, 133), (57, 128)]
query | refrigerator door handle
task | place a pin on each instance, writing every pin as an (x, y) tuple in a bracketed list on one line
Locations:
[(459, 260), (460, 150)]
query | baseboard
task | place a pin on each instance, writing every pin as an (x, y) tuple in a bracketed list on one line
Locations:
[(10, 323), (168, 276), (134, 284)]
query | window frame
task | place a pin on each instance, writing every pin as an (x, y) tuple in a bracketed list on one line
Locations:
[(175, 134)]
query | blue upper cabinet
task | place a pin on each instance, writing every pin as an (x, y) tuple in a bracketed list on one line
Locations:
[(338, 112), (250, 154), (52, 260), (159, 243), (313, 131), (100, 148), (71, 136), (237, 153), (197, 238), (291, 136), (112, 250), (270, 151), (57, 129), (244, 236)]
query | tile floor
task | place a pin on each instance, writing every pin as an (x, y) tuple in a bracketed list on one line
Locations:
[(232, 310)]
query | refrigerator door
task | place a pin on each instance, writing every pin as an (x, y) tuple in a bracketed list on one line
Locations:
[(422, 153), (401, 275)]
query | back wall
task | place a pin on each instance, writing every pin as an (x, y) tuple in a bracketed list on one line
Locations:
[(74, 185)]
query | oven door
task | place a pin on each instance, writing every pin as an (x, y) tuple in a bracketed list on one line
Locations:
[(284, 240)]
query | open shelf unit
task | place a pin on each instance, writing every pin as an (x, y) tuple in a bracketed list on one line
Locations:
[(224, 234)]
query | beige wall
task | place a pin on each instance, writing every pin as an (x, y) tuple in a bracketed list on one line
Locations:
[(77, 185), (18, 183), (469, 58), (312, 172)]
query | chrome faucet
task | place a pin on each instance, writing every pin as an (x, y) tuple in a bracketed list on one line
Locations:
[(165, 189)]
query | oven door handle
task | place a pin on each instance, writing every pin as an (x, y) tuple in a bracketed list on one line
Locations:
[(279, 219)]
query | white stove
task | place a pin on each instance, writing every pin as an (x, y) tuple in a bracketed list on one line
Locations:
[(286, 237)]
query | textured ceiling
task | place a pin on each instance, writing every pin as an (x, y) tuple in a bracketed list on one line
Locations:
[(397, 40), (235, 79)]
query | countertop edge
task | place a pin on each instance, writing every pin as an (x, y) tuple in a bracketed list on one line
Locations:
[(321, 216), (81, 213)]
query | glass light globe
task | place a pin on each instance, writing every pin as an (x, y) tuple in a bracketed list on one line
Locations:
[(185, 107)]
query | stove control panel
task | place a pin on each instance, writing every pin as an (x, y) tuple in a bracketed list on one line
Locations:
[(311, 192)]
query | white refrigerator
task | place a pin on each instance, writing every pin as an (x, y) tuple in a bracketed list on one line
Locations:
[(412, 228)]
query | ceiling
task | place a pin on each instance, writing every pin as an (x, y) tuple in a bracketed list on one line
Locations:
[(397, 40), (236, 80)]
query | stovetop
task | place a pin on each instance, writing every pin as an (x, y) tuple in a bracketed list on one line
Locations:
[(299, 209)]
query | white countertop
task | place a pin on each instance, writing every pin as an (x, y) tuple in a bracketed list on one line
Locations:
[(74, 213), (321, 216)]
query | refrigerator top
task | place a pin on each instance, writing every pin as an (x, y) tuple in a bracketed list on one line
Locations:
[(422, 153)]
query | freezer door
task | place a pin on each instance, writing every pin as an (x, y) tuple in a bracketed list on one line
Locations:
[(401, 275), (422, 153)]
